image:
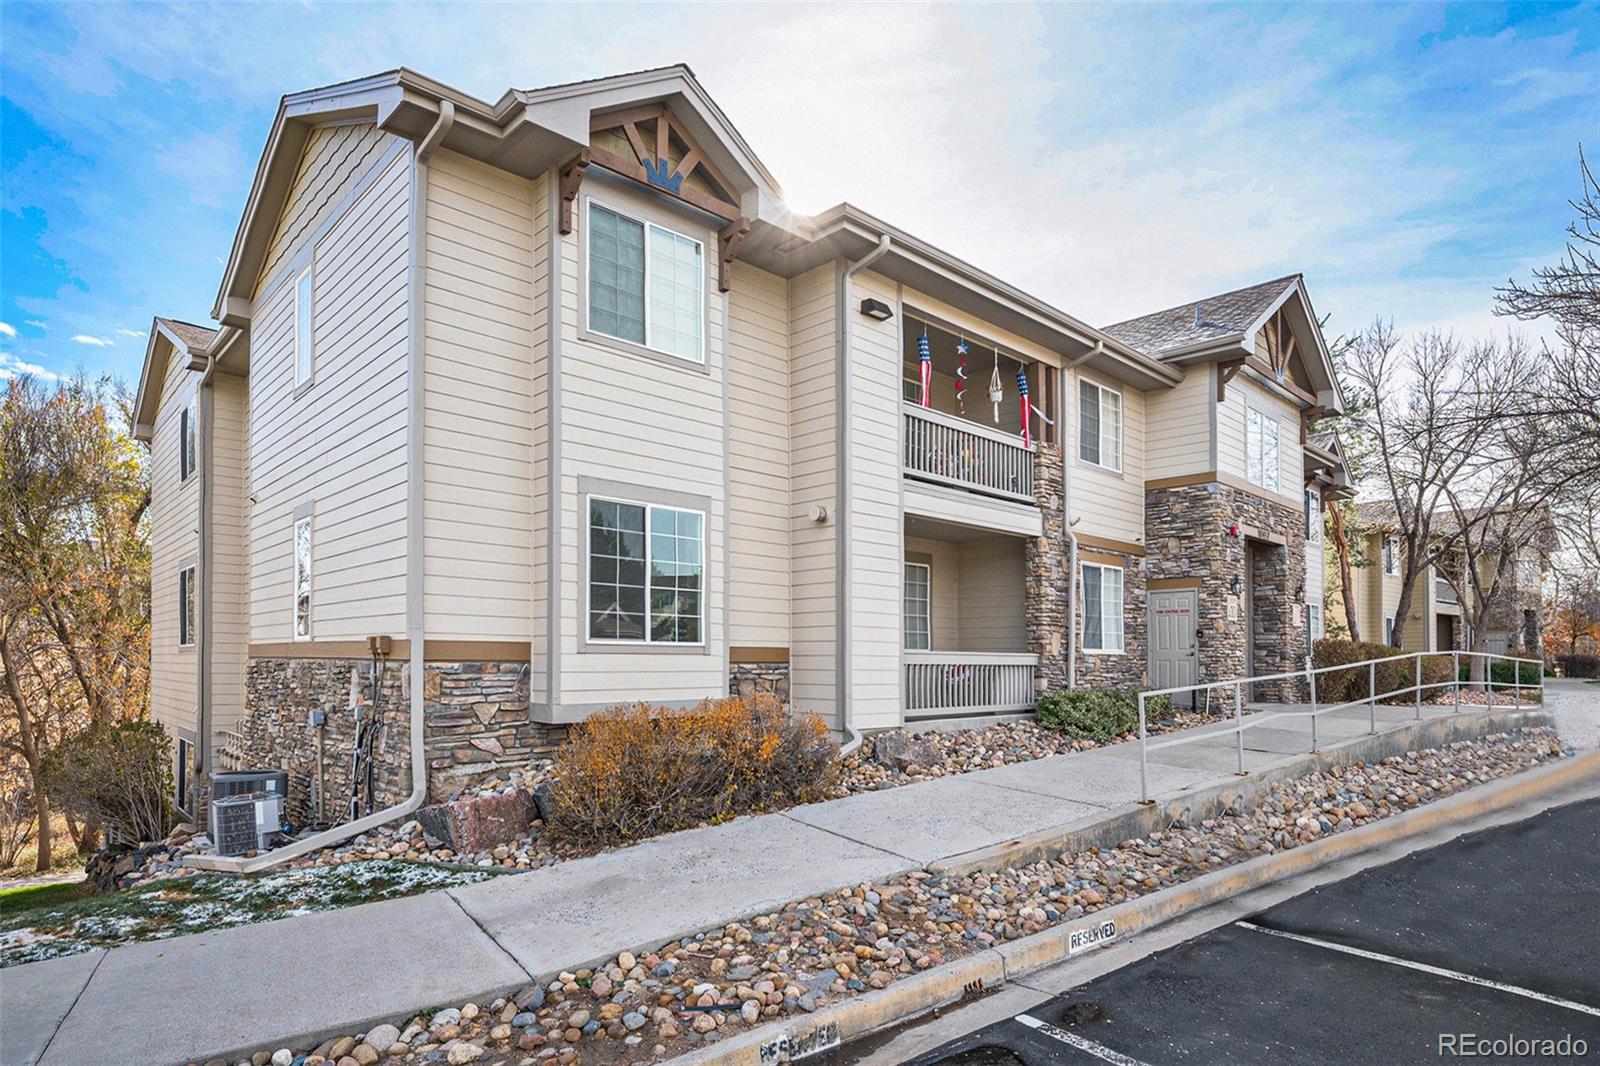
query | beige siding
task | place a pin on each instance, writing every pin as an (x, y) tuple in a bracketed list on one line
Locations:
[(331, 165), (813, 483), (174, 542), (873, 523), (1109, 503), (655, 424), (1178, 440), (758, 434), (340, 444), (482, 244), (993, 589), (230, 547)]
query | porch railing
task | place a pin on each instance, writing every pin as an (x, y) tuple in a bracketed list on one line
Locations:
[(953, 451), (943, 684), (1416, 689), (1443, 591)]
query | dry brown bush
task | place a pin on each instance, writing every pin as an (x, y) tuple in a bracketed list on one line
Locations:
[(638, 771)]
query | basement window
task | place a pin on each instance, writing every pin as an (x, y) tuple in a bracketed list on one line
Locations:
[(1102, 608)]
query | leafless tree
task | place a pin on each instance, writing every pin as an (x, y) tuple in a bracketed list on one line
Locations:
[(1567, 293), (1425, 427)]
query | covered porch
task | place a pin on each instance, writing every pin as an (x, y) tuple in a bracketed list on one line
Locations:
[(964, 622)]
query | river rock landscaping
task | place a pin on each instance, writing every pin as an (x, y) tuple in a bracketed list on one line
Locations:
[(816, 951), (886, 760)]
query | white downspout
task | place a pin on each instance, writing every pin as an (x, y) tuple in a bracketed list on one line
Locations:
[(414, 585), (842, 664), (1066, 513)]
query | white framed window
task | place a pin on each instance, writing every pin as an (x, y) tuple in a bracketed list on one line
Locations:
[(302, 578), (646, 575), (1388, 630), (186, 607), (1391, 556), (1102, 608), (304, 360), (1313, 515), (918, 602), (188, 431), (1261, 448), (646, 284), (1099, 425), (1314, 620)]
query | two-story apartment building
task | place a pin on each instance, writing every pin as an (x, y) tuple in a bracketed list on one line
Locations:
[(540, 406), (1440, 615)]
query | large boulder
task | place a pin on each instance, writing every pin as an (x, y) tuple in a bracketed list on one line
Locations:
[(476, 823), (900, 751)]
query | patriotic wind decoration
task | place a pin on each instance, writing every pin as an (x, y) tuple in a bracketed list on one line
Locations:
[(925, 368), (1022, 396), (997, 390), (961, 377)]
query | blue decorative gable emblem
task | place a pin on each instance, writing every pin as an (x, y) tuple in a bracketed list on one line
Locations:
[(656, 171)]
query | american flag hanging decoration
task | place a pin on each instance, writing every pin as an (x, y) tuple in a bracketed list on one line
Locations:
[(1022, 393), (961, 377), (925, 369)]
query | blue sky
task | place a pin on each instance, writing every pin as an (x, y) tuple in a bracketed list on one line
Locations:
[(1109, 159)]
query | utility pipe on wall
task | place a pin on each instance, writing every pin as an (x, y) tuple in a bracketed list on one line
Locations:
[(1066, 513), (843, 336), (414, 586)]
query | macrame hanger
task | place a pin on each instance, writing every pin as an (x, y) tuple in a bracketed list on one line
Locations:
[(997, 389)]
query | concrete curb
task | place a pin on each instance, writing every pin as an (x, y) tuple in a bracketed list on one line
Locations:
[(852, 1019), (1209, 799)]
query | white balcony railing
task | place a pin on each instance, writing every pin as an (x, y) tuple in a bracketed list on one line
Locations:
[(948, 683), (953, 451)]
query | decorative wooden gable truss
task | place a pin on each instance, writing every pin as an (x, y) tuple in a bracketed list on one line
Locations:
[(650, 145)]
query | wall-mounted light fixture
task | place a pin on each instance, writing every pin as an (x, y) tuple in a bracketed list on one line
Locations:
[(1236, 586), (876, 309), (1300, 593)]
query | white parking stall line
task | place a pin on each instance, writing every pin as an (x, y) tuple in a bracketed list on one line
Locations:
[(1099, 1051), (1437, 971)]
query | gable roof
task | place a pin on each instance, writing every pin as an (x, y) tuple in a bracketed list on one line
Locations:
[(1224, 317), (167, 336)]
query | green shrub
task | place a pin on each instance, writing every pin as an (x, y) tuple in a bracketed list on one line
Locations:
[(1346, 686), (117, 776), (1580, 665), (1504, 673), (1099, 714), (633, 772)]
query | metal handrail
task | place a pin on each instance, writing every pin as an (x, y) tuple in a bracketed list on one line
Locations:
[(1309, 673)]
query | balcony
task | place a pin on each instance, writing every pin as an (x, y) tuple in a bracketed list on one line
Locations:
[(949, 684), (953, 451)]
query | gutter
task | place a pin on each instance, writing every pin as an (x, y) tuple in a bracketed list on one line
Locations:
[(1067, 521), (842, 340), (205, 410), (415, 628)]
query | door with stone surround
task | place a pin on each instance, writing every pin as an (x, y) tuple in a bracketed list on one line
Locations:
[(1173, 648)]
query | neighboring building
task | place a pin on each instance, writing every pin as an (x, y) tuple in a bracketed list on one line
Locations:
[(550, 404), (1436, 620)]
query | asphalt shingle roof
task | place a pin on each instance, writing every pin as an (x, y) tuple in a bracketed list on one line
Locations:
[(196, 337), (1222, 316)]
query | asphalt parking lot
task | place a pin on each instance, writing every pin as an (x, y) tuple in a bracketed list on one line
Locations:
[(1489, 943)]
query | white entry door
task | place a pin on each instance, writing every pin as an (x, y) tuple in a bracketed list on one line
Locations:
[(1173, 649)]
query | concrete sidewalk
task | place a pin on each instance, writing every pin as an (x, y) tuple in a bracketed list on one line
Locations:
[(300, 979)]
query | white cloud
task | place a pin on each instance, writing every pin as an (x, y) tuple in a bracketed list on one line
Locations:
[(95, 342), (126, 332), (12, 367), (7, 329), (36, 324)]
